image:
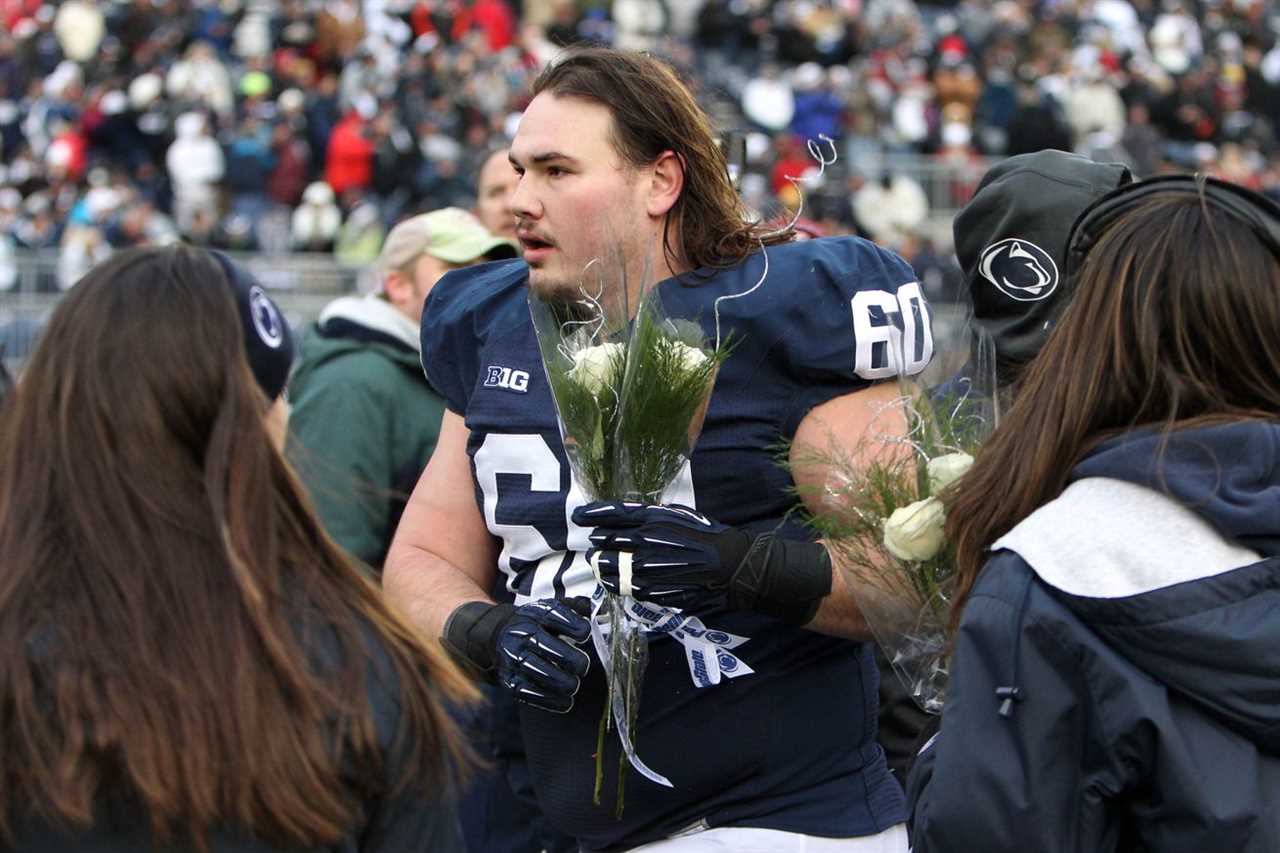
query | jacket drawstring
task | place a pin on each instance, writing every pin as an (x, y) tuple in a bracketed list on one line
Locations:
[(1012, 693)]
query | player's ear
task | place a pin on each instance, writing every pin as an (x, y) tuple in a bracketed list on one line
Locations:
[(667, 183)]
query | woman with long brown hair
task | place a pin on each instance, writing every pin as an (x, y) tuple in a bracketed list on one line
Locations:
[(1115, 683), (186, 660)]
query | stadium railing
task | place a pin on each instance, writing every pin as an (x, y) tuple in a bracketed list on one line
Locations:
[(302, 284)]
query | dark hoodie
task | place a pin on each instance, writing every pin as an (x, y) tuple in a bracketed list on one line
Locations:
[(1116, 679)]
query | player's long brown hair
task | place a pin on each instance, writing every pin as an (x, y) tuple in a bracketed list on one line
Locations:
[(653, 112), (1175, 323), (176, 630)]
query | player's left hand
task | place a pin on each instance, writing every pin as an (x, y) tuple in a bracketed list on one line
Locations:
[(670, 555), (675, 556)]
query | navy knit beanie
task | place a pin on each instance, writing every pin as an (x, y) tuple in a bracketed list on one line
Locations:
[(268, 341)]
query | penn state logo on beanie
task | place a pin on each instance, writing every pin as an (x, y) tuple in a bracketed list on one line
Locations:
[(268, 341), (1019, 269), (1011, 240)]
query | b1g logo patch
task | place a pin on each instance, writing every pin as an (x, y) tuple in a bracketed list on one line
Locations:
[(507, 378), (1019, 269)]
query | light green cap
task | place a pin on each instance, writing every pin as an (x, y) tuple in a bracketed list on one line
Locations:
[(451, 234)]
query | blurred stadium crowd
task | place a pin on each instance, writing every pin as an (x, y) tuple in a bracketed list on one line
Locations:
[(315, 125)]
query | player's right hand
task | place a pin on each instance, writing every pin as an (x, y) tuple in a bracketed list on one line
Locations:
[(531, 649)]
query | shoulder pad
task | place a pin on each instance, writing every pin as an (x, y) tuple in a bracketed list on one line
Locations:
[(466, 308), (833, 316)]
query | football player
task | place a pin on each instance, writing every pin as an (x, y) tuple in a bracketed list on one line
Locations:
[(616, 160)]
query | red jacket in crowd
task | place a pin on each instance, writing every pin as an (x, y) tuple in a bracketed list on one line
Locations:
[(349, 161)]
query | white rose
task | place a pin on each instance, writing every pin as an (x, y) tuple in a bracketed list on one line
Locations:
[(915, 531), (691, 357), (945, 470), (592, 366)]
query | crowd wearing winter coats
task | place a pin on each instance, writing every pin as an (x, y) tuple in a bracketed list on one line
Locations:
[(315, 125)]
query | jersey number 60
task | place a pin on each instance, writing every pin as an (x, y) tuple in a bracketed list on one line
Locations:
[(892, 332)]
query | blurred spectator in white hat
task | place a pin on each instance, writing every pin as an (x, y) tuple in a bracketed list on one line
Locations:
[(200, 79), (80, 26), (196, 165), (317, 220)]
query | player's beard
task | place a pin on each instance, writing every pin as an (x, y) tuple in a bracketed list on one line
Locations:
[(553, 288), (602, 280), (598, 288)]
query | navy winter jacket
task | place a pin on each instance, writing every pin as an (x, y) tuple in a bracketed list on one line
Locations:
[(1116, 678)]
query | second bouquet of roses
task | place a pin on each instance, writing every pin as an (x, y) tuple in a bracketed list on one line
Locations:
[(885, 521)]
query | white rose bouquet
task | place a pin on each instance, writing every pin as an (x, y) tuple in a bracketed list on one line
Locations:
[(885, 525), (631, 392)]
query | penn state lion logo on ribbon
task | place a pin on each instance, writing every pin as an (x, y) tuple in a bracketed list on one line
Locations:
[(1019, 269)]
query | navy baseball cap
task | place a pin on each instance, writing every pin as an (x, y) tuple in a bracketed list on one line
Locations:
[(1011, 242), (268, 341)]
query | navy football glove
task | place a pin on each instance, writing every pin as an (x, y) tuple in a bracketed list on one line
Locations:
[(675, 556), (529, 649)]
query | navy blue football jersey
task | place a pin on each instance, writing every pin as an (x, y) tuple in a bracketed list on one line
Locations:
[(791, 746)]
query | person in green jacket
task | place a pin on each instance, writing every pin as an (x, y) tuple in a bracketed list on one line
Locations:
[(364, 419)]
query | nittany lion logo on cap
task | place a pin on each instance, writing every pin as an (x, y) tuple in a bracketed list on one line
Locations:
[(266, 320), (1019, 269)]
